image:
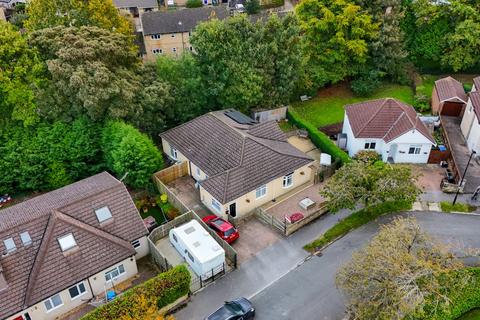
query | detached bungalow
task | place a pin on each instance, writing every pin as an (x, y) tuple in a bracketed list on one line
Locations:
[(239, 164), (470, 124), (448, 97), (60, 249), (389, 127)]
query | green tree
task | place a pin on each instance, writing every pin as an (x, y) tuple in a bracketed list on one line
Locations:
[(99, 13), (463, 49), (194, 4), (336, 34), (252, 6), (20, 73), (369, 183), (90, 71), (397, 272), (131, 153)]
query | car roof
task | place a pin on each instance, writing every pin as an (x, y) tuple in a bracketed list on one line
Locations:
[(221, 224), (224, 313)]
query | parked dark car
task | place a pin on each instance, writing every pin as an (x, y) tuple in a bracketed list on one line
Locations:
[(223, 228), (238, 309)]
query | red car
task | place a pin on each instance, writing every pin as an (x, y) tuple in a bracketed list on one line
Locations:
[(223, 228)]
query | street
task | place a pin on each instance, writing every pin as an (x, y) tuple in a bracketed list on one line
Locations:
[(307, 290)]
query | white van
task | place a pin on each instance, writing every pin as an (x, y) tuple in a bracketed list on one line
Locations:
[(204, 255)]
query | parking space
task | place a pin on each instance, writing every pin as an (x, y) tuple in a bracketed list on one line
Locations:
[(171, 254), (254, 236), (429, 177)]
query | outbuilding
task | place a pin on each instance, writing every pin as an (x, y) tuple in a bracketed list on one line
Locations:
[(448, 97)]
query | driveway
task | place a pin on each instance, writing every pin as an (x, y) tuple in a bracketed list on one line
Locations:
[(314, 280)]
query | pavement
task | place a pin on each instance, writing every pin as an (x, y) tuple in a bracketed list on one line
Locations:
[(283, 278)]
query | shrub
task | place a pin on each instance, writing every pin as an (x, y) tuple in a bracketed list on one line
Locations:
[(156, 293), (172, 213), (319, 139), (421, 103), (458, 207), (252, 6), (126, 150), (366, 84), (267, 4), (194, 3), (367, 156), (356, 220)]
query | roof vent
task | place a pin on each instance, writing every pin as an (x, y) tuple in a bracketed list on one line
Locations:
[(189, 230), (180, 23), (196, 244)]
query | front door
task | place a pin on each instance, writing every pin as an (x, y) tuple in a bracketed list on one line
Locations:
[(233, 209), (392, 153)]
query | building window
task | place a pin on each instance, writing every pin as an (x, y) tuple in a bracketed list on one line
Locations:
[(136, 243), (174, 49), (174, 237), (370, 145), (216, 205), (103, 214), (77, 290), (26, 239), (155, 36), (470, 108), (114, 273), (198, 172), (173, 35), (189, 33), (190, 256), (261, 191), (191, 48), (67, 242), (173, 153), (53, 302), (414, 150), (288, 180), (157, 51), (9, 245)]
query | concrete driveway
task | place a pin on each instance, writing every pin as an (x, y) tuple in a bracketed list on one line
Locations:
[(309, 292)]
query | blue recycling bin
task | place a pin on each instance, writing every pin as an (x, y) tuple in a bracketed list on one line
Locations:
[(111, 295)]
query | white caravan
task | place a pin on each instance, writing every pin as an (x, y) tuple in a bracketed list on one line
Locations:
[(204, 255)]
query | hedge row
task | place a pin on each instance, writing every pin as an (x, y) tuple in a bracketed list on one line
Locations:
[(319, 139), (139, 301), (356, 220)]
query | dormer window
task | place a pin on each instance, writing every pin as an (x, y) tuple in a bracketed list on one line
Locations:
[(67, 242), (26, 239), (103, 214), (9, 245)]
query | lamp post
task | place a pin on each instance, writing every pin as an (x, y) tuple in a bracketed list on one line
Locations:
[(463, 176)]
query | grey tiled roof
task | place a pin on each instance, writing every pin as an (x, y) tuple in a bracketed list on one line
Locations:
[(184, 20), (37, 271), (449, 88), (237, 158), (135, 3), (476, 82), (384, 119)]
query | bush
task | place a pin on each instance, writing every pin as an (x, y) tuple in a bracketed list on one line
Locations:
[(458, 207), (367, 156), (252, 6), (126, 150), (356, 220), (267, 4), (421, 103), (366, 84), (319, 139), (194, 3), (156, 293)]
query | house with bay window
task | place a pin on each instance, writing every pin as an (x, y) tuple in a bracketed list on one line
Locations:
[(389, 127), (62, 248), (237, 163)]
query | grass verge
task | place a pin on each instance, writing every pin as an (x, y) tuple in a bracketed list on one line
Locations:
[(458, 207), (356, 220)]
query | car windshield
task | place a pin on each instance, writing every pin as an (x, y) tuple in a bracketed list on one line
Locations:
[(234, 307), (229, 232)]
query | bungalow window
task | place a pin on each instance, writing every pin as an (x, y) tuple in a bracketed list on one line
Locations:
[(173, 153), (114, 273), (216, 205), (9, 245), (155, 36), (77, 290), (414, 150), (136, 243), (103, 214), (53, 302), (261, 191), (370, 145), (67, 242), (157, 51), (288, 180), (26, 239)]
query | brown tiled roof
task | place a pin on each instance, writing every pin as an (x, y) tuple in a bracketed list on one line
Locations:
[(476, 82), (384, 119), (238, 158), (475, 99), (37, 271), (448, 88)]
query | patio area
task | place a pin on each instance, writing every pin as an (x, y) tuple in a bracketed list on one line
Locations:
[(305, 145), (184, 189)]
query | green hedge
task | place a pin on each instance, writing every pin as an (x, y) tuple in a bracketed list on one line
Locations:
[(356, 220), (462, 299), (458, 207), (319, 139), (155, 293)]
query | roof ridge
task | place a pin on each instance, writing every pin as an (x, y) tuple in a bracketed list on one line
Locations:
[(394, 124), (374, 114), (227, 174), (256, 139)]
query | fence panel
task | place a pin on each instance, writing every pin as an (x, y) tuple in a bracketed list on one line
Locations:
[(292, 227), (174, 172), (172, 198), (157, 257), (271, 221)]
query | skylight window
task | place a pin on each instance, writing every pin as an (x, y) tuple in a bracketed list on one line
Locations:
[(103, 214), (26, 239), (67, 242), (10, 245)]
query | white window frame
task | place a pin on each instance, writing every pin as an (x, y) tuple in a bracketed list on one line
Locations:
[(155, 36), (216, 205), (105, 213), (10, 245), (157, 51), (26, 238), (50, 300), (261, 192), (287, 181), (368, 145), (199, 173), (68, 237), (174, 49), (417, 149), (173, 153), (136, 243), (78, 289), (116, 269)]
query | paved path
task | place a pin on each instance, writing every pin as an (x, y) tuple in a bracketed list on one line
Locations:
[(259, 272), (288, 298)]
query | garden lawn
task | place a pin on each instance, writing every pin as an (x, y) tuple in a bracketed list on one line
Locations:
[(156, 213), (328, 107)]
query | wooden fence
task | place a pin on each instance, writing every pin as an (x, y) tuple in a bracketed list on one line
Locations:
[(172, 173), (172, 198), (271, 221)]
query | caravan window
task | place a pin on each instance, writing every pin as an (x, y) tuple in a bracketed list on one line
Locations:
[(174, 237), (189, 256)]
